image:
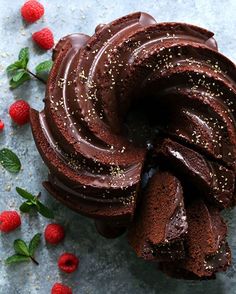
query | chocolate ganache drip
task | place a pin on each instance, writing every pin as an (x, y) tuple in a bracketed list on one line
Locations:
[(97, 160)]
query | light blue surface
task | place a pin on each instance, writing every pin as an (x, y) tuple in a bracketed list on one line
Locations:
[(105, 266)]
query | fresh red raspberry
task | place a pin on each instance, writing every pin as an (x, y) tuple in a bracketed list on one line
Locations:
[(54, 233), (19, 112), (59, 288), (1, 125), (32, 10), (9, 221), (44, 38), (68, 262)]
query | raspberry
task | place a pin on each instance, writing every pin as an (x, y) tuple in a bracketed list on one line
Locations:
[(32, 10), (19, 112), (44, 38), (1, 125), (54, 233), (9, 221), (59, 288), (68, 262)]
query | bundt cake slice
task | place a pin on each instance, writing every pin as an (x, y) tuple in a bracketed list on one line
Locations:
[(207, 251), (159, 228), (211, 179)]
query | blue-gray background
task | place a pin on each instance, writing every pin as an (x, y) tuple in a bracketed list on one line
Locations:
[(105, 266)]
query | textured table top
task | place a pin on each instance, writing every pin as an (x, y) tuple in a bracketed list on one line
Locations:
[(106, 266)]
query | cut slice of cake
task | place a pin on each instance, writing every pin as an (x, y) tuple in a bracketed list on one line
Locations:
[(159, 228), (207, 251), (211, 179)]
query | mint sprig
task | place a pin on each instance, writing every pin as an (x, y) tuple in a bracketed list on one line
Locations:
[(24, 252), (19, 72), (9, 160), (33, 203)]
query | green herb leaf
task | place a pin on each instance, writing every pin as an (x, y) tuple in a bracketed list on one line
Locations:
[(9, 160), (24, 56), (33, 202), (25, 194), (15, 66), (21, 247), (19, 72), (25, 207), (25, 77), (34, 243), (44, 66), (17, 258), (44, 211), (18, 75)]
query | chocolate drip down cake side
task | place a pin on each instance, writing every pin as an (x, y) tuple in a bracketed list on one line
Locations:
[(138, 132)]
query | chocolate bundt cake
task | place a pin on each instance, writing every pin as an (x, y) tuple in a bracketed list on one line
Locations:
[(138, 129)]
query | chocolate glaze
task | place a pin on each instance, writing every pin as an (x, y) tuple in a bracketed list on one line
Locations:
[(95, 162), (86, 99)]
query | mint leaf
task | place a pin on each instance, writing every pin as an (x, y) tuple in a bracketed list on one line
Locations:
[(44, 211), (22, 61), (34, 243), (33, 202), (19, 72), (23, 252), (25, 207), (44, 66), (14, 66), (24, 53), (9, 160), (15, 84), (21, 247), (17, 258), (24, 56), (18, 75), (25, 194)]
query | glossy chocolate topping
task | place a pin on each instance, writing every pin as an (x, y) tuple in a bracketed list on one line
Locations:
[(92, 84), (97, 158)]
